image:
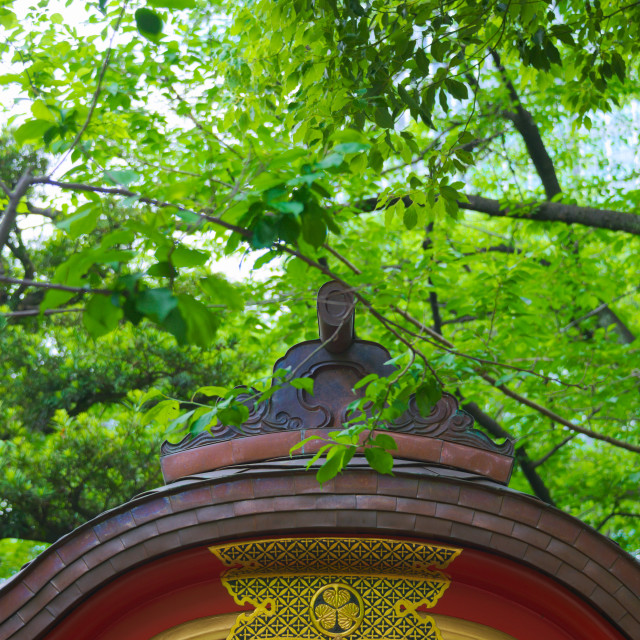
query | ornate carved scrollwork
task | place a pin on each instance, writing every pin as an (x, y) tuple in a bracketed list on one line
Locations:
[(336, 365)]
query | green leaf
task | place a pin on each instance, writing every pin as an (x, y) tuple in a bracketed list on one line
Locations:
[(156, 303), (101, 316), (333, 465), (410, 217), (122, 177), (422, 62), (184, 257), (365, 381), (293, 207), (406, 97), (383, 118), (385, 441), (82, 222), (351, 147), (299, 445), (427, 395), (201, 423), (173, 4), (149, 23), (457, 89), (175, 424), (314, 229), (212, 391), (303, 383), (379, 460), (220, 290), (202, 323), (235, 414), (31, 131), (163, 412)]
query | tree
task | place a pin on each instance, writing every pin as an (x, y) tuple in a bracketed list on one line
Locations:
[(468, 168)]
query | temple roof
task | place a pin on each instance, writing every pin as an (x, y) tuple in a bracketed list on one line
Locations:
[(419, 501), (448, 485), (336, 362)]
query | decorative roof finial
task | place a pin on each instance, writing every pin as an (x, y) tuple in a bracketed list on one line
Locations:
[(336, 312)]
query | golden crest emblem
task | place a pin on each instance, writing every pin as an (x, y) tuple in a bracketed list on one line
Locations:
[(336, 610)]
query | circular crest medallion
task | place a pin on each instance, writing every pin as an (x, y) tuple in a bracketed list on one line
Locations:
[(336, 610)]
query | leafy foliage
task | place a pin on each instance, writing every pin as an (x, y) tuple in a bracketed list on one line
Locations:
[(466, 167)]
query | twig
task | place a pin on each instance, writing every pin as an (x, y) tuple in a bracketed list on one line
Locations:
[(96, 94), (557, 418), (37, 312), (53, 285), (597, 310), (624, 514), (117, 191), (546, 456)]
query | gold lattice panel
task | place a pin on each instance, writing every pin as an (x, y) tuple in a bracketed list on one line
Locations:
[(327, 588)]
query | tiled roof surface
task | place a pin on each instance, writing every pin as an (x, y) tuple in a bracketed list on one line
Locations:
[(245, 501)]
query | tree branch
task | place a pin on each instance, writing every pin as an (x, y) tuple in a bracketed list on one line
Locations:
[(527, 128), (557, 418), (12, 208), (536, 211), (53, 285), (527, 466), (555, 449), (118, 191), (625, 514), (556, 212)]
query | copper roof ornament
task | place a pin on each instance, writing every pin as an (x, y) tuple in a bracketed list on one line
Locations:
[(336, 362)]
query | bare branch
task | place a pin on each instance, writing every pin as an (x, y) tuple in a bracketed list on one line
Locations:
[(527, 128), (597, 310), (557, 418), (12, 208), (53, 285), (36, 312), (118, 191), (527, 466), (555, 449), (624, 514), (47, 213)]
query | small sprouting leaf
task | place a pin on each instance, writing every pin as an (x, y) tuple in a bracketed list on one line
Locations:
[(305, 384), (212, 391), (333, 465), (385, 441), (427, 394)]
